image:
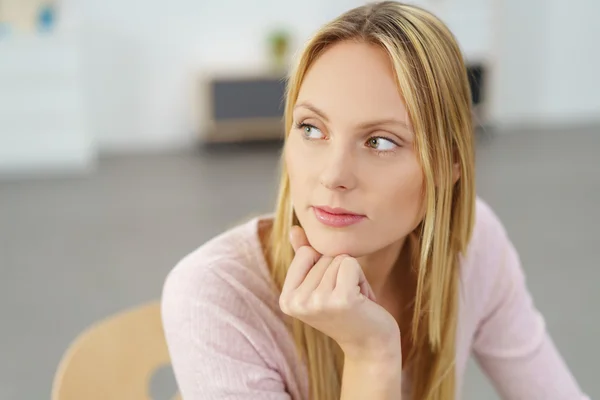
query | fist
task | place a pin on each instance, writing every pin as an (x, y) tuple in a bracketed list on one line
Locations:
[(332, 295)]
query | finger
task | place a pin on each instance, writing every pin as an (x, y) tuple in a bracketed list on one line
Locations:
[(368, 290), (298, 237), (350, 276), (304, 260), (365, 287), (330, 277), (315, 275)]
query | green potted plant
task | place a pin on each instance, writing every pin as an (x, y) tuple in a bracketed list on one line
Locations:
[(279, 43)]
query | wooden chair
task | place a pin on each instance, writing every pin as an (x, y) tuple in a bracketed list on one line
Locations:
[(115, 358)]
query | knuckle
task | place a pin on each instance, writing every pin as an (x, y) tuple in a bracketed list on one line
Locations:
[(284, 304), (343, 301), (290, 304), (297, 305), (318, 302)]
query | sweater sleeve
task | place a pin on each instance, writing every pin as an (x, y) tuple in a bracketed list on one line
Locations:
[(512, 345), (214, 340)]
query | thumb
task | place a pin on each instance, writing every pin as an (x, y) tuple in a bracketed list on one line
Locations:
[(298, 237)]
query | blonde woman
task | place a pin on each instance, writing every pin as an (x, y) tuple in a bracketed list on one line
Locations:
[(380, 270)]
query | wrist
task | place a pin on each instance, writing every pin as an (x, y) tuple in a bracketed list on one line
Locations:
[(376, 353), (376, 366), (384, 375), (373, 370)]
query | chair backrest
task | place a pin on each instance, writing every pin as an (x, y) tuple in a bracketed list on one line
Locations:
[(115, 358)]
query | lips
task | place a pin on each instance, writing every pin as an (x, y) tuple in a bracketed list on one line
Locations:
[(336, 210), (336, 217)]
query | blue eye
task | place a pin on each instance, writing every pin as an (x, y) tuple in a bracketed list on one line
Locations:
[(310, 131), (381, 143)]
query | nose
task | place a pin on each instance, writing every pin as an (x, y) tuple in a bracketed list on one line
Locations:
[(338, 171)]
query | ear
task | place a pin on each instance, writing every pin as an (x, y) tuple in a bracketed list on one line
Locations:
[(455, 166), (455, 172)]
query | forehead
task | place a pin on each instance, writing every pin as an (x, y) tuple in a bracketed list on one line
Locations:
[(354, 80)]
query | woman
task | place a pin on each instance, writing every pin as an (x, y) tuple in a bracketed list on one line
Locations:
[(380, 269)]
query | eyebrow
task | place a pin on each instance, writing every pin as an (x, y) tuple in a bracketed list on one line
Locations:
[(365, 125)]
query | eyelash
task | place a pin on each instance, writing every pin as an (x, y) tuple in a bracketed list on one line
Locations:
[(381, 153)]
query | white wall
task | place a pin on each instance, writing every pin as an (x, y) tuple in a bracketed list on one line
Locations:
[(546, 63), (141, 57), (572, 61), (471, 22)]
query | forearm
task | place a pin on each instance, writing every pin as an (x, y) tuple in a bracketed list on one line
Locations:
[(372, 379)]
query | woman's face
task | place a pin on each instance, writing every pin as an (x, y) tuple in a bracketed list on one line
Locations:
[(351, 146)]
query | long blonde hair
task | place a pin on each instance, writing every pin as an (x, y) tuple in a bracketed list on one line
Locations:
[(432, 78)]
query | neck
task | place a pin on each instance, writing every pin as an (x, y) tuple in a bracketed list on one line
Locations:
[(379, 266)]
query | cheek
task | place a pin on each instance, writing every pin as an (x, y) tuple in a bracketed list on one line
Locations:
[(298, 169), (402, 200)]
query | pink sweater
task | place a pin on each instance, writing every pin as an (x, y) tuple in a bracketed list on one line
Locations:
[(228, 340)]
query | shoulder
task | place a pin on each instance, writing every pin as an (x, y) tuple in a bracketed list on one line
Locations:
[(489, 229), (491, 273), (489, 239), (227, 273), (486, 255), (224, 330)]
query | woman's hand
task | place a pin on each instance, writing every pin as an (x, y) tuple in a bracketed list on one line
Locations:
[(332, 295)]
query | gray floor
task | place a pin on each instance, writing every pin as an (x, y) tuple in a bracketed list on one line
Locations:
[(76, 249)]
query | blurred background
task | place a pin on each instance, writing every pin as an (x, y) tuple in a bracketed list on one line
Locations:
[(133, 131)]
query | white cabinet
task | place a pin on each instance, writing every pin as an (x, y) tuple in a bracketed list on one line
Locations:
[(42, 108)]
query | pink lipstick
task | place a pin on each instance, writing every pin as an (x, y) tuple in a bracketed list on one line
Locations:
[(336, 217)]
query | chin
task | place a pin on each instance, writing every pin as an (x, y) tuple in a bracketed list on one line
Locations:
[(335, 242)]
